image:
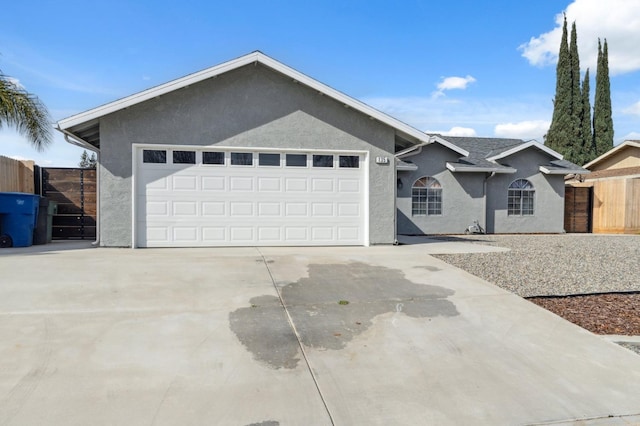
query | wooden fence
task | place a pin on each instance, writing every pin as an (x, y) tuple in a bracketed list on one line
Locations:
[(74, 190), (577, 209), (616, 206), (16, 175)]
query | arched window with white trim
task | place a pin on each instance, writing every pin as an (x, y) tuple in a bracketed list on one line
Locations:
[(426, 197), (521, 198)]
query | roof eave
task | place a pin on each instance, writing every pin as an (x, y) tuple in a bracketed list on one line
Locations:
[(524, 146), (612, 152), (254, 57), (432, 139), (505, 170), (578, 171)]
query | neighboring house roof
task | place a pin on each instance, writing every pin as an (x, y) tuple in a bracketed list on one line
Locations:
[(632, 172), (483, 155), (416, 149), (612, 152), (562, 167), (479, 150), (84, 127)]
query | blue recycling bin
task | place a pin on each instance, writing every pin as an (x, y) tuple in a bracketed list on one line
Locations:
[(18, 216)]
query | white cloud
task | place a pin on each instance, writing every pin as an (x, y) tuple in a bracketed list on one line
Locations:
[(632, 109), (455, 131), (450, 83), (453, 83), (616, 20), (478, 115), (528, 129), (634, 136)]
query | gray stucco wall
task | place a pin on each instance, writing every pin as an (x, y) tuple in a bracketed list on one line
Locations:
[(462, 194), (548, 214), (250, 107)]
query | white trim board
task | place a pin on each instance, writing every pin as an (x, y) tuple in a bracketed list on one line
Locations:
[(254, 57)]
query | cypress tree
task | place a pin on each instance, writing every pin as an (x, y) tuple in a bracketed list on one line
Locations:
[(562, 126), (573, 148), (587, 152), (602, 117)]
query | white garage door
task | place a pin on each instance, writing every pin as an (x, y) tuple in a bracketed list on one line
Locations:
[(206, 197)]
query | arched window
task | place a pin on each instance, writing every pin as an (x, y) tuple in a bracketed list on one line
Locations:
[(520, 201), (426, 197)]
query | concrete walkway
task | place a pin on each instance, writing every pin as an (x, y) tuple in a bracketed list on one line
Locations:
[(289, 336)]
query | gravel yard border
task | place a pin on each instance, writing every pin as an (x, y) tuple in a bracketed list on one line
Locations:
[(590, 280), (554, 265)]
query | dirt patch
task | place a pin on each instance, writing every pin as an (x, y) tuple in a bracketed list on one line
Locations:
[(613, 313)]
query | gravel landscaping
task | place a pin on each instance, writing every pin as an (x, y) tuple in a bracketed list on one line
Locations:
[(590, 280), (554, 265)]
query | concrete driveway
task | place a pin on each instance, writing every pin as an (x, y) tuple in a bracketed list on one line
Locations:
[(290, 336)]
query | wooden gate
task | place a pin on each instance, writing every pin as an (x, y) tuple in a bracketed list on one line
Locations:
[(578, 209), (75, 192)]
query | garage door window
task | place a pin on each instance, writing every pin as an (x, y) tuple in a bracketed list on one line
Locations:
[(154, 156), (241, 158), (269, 159), (213, 158), (184, 157), (349, 161), (323, 161), (296, 160)]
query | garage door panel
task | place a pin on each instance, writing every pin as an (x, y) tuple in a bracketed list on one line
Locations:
[(185, 233), (241, 209), (296, 184), (240, 183), (348, 185), (321, 185), (214, 234), (296, 233), (296, 209), (322, 233), (157, 233), (269, 209), (269, 233), (349, 209), (213, 208), (321, 209), (184, 183), (185, 208), (241, 233), (205, 205), (269, 184), (213, 183), (156, 208), (349, 233)]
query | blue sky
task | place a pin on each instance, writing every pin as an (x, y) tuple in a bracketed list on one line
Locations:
[(461, 68)]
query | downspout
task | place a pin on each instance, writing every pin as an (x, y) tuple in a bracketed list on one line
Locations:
[(395, 203), (484, 189), (74, 140), (412, 152)]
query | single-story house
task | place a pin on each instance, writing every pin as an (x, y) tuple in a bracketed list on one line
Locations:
[(252, 152), (609, 196), (509, 185)]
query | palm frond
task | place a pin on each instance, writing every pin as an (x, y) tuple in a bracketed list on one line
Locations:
[(25, 112)]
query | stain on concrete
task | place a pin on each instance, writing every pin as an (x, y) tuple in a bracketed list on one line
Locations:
[(266, 423), (429, 268), (263, 328), (322, 321)]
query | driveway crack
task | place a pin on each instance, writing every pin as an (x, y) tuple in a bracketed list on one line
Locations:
[(295, 332)]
